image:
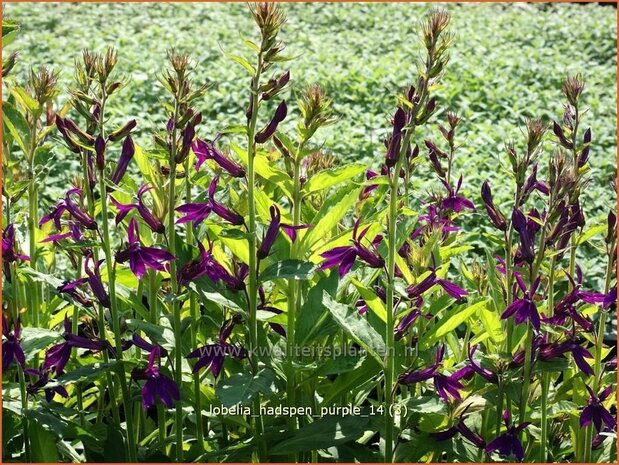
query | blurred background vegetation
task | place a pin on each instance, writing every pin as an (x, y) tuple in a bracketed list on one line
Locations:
[(508, 63)]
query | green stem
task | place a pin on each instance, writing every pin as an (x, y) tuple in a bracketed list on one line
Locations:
[(195, 316), (33, 221), (111, 275), (174, 305), (546, 376), (24, 406), (253, 264)]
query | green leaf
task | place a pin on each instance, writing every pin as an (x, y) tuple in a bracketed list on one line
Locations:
[(86, 372), (42, 443), (492, 323), (331, 177), (324, 433), (591, 232), (24, 99), (241, 388), (372, 300), (33, 340), (449, 324), (356, 326), (16, 125), (330, 214), (339, 365), (158, 334), (288, 269), (266, 170), (241, 61)]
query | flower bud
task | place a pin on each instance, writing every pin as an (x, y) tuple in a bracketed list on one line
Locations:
[(122, 132), (100, 152), (269, 130)]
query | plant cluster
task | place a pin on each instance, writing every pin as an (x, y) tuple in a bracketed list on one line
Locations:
[(333, 311)]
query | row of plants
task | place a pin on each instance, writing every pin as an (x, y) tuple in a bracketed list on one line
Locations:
[(242, 268)]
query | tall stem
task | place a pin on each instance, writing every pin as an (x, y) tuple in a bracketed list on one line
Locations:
[(195, 316), (175, 307), (33, 220), (253, 264), (546, 376), (24, 406)]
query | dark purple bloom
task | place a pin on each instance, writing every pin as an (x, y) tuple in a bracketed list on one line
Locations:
[(57, 356), (508, 444), (395, 141), (123, 131), (452, 289), (454, 201), (76, 212), (157, 385), (524, 309), (485, 373), (434, 220), (271, 233), (264, 305), (212, 356), (72, 288), (100, 145), (291, 230), (567, 306), (126, 154), (206, 150), (367, 190), (526, 230), (446, 386), (141, 257), (206, 265), (154, 223), (532, 184), (42, 382), (196, 212), (55, 215), (497, 218), (220, 209), (344, 256), (11, 348), (548, 351), (464, 430), (94, 280), (595, 412), (269, 129), (10, 253)]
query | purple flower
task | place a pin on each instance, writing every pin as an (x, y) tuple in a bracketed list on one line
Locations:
[(271, 233), (344, 256), (72, 288), (157, 385), (10, 253), (446, 386), (212, 356), (595, 412), (434, 220), (196, 212), (464, 430), (408, 320), (141, 257), (524, 309), (264, 305), (42, 382), (154, 223), (206, 265), (126, 154), (497, 218), (220, 209), (291, 230), (452, 289), (11, 348), (485, 373), (76, 212), (526, 230), (508, 444), (454, 201), (205, 150), (269, 129), (394, 143), (57, 356), (55, 215), (549, 351)]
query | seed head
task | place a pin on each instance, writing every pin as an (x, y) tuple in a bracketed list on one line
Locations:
[(573, 87), (43, 85)]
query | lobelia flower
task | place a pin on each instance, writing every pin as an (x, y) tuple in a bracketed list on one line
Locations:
[(433, 220), (212, 356), (220, 209), (524, 309), (446, 386), (264, 305), (595, 412), (72, 288), (43, 381), (395, 141), (452, 289), (485, 373), (344, 256), (157, 385), (74, 233), (465, 432), (497, 218), (205, 150), (56, 357), (11, 347), (526, 230), (154, 223), (76, 212), (508, 443), (55, 215), (10, 254), (291, 230), (141, 257), (548, 351), (206, 265), (454, 201), (269, 129), (409, 319), (367, 190), (271, 233), (126, 154)]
